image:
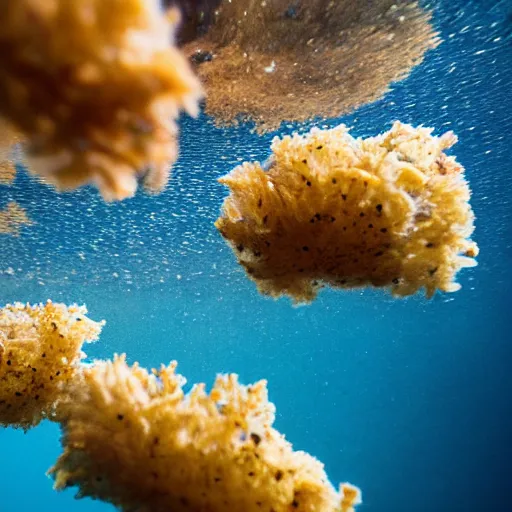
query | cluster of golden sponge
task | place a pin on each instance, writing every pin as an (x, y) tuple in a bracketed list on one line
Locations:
[(133, 438), (97, 103)]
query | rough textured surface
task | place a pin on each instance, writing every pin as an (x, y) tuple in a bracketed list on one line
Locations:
[(391, 211), (40, 351), (95, 87), (136, 440), (283, 60)]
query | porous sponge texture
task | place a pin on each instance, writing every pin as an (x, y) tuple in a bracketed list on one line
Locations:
[(40, 353), (134, 439), (329, 209)]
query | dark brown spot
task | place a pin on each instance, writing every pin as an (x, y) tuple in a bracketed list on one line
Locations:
[(201, 56), (256, 439)]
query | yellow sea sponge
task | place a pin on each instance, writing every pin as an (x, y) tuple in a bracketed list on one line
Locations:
[(12, 217), (134, 439), (276, 60), (40, 351), (95, 87), (391, 210)]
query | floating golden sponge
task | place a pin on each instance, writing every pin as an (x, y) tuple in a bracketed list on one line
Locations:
[(40, 351), (278, 60), (391, 210), (134, 439), (12, 218), (95, 87)]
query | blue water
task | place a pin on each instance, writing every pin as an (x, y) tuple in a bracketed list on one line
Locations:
[(409, 399)]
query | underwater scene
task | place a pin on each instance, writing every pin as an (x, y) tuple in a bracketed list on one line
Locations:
[(255, 255)]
